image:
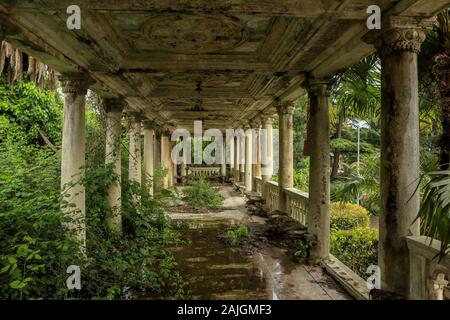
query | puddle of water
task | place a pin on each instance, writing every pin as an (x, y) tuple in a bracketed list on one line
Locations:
[(215, 271)]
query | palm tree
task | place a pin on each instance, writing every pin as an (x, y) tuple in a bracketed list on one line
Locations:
[(356, 95)]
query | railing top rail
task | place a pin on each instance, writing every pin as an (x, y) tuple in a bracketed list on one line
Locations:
[(258, 178), (272, 183), (427, 247), (296, 192)]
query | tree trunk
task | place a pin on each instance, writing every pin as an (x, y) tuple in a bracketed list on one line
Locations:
[(337, 152), (441, 72)]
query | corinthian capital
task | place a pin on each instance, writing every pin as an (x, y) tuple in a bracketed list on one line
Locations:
[(285, 107), (114, 104), (318, 87), (75, 82), (400, 34)]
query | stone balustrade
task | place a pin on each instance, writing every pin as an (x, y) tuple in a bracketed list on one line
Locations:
[(297, 204), (272, 195), (429, 276), (204, 172), (258, 184)]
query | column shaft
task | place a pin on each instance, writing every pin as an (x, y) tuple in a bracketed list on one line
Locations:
[(266, 153), (223, 165), (165, 158), (236, 158), (149, 145), (73, 152), (113, 156), (286, 178), (135, 157), (248, 160), (400, 168), (256, 166), (242, 158), (318, 218)]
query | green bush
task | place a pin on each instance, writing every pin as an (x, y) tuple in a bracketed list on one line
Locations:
[(201, 193), (236, 235), (347, 216), (36, 248), (357, 248)]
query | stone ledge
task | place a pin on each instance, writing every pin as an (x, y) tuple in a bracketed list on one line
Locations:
[(426, 247), (354, 284)]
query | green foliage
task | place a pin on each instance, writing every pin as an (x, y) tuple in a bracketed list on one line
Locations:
[(365, 184), (435, 209), (27, 109), (349, 146), (356, 248), (346, 216), (36, 248), (201, 193), (300, 120), (301, 175), (357, 90), (302, 249), (235, 236)]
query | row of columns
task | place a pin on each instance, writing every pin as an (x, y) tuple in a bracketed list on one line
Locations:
[(399, 45), (73, 153)]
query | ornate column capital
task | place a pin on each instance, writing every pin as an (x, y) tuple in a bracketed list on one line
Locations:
[(318, 86), (285, 107), (114, 104), (266, 119), (75, 82), (400, 34)]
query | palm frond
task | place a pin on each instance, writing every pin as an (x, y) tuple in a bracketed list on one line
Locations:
[(434, 212)]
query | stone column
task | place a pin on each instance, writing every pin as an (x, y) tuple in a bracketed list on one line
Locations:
[(183, 166), (172, 166), (135, 157), (256, 166), (248, 159), (113, 155), (73, 151), (223, 165), (236, 158), (231, 156), (165, 157), (242, 158), (157, 149), (266, 152), (285, 112), (149, 145), (318, 218), (399, 46)]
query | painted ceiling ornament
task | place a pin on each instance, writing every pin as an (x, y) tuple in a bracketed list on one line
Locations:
[(186, 33)]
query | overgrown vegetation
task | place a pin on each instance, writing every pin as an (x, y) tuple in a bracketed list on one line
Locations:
[(37, 247), (201, 193), (237, 235)]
